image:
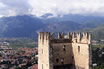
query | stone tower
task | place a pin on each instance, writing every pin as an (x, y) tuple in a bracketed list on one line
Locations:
[(65, 52)]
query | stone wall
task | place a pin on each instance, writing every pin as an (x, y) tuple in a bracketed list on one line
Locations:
[(81, 55), (43, 57), (73, 50), (62, 53)]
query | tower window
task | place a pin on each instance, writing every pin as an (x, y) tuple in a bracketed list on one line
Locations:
[(78, 48), (64, 48), (72, 57), (62, 60), (57, 60)]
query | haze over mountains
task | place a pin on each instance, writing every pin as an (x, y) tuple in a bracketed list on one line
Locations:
[(29, 25)]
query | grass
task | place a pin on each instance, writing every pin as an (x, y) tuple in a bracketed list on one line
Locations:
[(18, 43)]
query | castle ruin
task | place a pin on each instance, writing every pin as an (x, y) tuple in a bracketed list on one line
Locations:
[(64, 52)]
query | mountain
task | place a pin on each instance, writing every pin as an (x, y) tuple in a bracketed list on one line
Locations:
[(19, 26), (46, 15), (88, 20), (63, 26), (29, 25), (98, 32)]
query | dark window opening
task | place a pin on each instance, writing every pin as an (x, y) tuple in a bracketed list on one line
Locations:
[(57, 60), (72, 57), (62, 60), (78, 48), (64, 48)]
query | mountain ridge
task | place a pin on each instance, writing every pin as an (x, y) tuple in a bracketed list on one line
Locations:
[(29, 25)]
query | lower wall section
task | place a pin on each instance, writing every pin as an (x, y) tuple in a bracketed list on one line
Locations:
[(78, 67), (68, 66)]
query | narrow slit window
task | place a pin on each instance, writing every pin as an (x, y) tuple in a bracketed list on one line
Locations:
[(78, 48), (72, 57), (64, 48)]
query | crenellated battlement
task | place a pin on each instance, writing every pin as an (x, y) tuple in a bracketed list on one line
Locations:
[(44, 35), (82, 37), (69, 50)]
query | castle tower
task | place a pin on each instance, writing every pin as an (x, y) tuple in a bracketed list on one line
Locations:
[(82, 51), (43, 42), (73, 52)]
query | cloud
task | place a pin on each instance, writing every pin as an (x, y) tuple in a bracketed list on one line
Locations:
[(14, 7), (56, 7), (61, 7)]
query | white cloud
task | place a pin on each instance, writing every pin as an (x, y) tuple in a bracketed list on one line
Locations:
[(14, 7), (62, 7), (56, 7)]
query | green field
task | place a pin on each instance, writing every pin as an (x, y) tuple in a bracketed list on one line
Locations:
[(23, 43), (20, 42)]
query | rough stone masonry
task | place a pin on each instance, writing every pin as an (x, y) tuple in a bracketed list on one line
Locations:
[(71, 51)]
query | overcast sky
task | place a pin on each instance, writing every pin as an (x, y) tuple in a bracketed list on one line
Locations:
[(56, 7)]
